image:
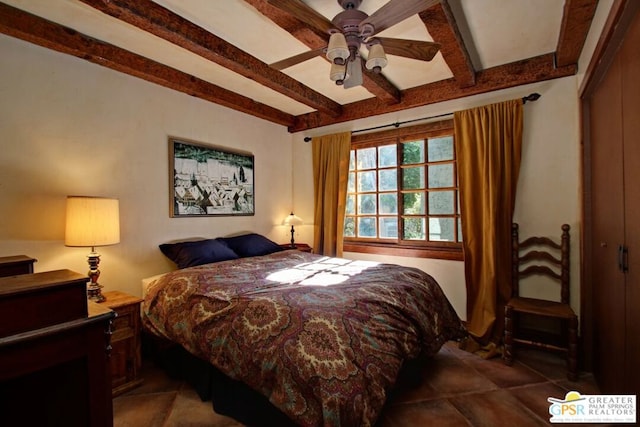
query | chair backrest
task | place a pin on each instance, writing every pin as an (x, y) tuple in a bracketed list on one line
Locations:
[(541, 256)]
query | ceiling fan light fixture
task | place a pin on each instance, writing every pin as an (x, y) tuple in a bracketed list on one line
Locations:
[(338, 73), (377, 59), (337, 51)]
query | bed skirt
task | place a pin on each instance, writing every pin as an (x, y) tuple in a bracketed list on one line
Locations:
[(229, 397)]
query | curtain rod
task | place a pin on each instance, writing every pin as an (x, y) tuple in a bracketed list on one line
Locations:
[(531, 97)]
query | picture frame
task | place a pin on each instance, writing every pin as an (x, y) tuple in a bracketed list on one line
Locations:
[(206, 180)]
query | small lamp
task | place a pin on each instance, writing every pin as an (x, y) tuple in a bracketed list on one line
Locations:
[(377, 59), (338, 74), (91, 222), (292, 220), (338, 51)]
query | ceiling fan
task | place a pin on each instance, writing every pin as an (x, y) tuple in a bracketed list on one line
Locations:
[(351, 29)]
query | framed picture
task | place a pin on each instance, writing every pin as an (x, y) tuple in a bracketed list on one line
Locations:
[(206, 180)]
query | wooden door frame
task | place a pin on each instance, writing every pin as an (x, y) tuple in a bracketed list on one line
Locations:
[(618, 21)]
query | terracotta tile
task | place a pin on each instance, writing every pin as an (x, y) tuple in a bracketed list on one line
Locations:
[(190, 411), (447, 374), (434, 412), (149, 410), (453, 347), (586, 384), (495, 408), (442, 375), (547, 363), (502, 375), (535, 397), (155, 380)]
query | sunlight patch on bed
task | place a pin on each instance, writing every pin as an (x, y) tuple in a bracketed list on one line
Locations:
[(323, 272)]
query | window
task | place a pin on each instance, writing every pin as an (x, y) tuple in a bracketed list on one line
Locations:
[(402, 194)]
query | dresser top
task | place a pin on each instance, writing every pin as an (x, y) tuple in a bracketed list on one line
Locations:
[(24, 283), (16, 259)]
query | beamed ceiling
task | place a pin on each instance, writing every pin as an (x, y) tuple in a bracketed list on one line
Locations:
[(220, 51)]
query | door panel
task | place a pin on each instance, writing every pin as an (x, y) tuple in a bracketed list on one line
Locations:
[(630, 60), (608, 230)]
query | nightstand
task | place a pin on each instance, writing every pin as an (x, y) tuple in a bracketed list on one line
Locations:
[(303, 247), (125, 341)]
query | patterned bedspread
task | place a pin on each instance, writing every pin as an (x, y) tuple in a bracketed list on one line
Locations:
[(322, 338)]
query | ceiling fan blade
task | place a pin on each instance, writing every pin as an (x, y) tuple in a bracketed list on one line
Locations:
[(414, 49), (296, 59), (304, 13), (354, 69), (391, 13)]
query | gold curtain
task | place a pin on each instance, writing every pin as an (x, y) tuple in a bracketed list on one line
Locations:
[(488, 149), (330, 174)]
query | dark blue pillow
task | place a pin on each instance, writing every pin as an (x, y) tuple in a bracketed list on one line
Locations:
[(251, 244), (189, 254)]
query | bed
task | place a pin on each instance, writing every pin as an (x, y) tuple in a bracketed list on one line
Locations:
[(321, 339)]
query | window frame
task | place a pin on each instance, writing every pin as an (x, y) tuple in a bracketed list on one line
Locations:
[(399, 247)]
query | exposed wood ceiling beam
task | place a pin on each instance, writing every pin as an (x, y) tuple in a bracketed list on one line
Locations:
[(161, 22), (377, 84), (28, 27), (443, 28), (576, 21), (514, 74)]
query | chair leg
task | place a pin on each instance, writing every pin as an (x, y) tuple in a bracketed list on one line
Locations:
[(508, 335), (572, 351)]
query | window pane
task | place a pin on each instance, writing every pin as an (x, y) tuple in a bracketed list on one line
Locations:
[(352, 160), (388, 179), (367, 181), (440, 148), (387, 156), (413, 152), (351, 204), (367, 227), (441, 229), (367, 203), (413, 204), (441, 176), (367, 158), (413, 178), (441, 202), (459, 230), (349, 227), (351, 183), (389, 228), (388, 203), (414, 229)]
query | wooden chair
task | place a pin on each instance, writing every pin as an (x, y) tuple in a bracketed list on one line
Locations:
[(541, 256)]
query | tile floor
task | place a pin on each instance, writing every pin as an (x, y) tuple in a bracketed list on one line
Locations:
[(456, 388)]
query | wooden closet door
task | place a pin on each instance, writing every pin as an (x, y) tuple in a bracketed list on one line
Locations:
[(608, 230), (630, 61)]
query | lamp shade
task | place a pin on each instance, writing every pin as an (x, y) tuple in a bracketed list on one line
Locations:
[(292, 220), (337, 51), (377, 58), (92, 221)]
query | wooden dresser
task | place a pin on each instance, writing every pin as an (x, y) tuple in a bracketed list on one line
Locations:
[(54, 350), (18, 264)]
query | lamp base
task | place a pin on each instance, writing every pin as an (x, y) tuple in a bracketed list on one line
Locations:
[(94, 292), (293, 244)]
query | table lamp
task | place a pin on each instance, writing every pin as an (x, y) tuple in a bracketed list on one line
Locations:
[(91, 222), (292, 220)]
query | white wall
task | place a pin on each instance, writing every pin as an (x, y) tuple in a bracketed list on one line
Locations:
[(548, 189), (70, 127)]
